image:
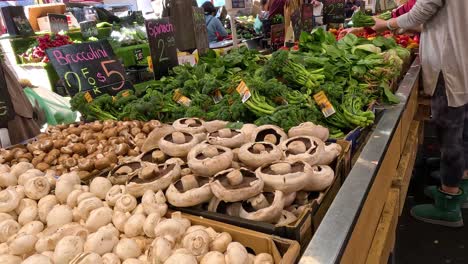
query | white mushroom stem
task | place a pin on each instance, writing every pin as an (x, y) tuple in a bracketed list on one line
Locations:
[(281, 168), (297, 147), (178, 137), (259, 202), (189, 182), (234, 177), (271, 138)]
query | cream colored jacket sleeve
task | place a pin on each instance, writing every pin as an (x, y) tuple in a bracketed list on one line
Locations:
[(421, 12)]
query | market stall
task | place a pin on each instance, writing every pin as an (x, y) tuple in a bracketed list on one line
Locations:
[(301, 155)]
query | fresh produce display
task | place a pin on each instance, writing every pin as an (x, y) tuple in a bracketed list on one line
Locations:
[(360, 19), (404, 40), (279, 89), (37, 52), (244, 27), (86, 148), (63, 221), (128, 36)]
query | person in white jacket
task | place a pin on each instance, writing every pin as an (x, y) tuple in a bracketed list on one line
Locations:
[(444, 59)]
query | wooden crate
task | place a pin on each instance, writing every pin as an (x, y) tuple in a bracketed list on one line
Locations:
[(384, 238), (284, 251), (408, 158)]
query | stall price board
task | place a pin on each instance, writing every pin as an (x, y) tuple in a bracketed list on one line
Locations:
[(16, 22), (277, 35), (6, 106), (90, 67), (334, 11), (307, 17), (161, 37), (88, 29), (201, 34), (57, 22)]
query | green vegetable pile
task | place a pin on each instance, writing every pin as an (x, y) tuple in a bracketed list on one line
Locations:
[(386, 15), (352, 73), (360, 19)]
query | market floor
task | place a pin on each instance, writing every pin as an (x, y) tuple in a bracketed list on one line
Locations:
[(419, 242)]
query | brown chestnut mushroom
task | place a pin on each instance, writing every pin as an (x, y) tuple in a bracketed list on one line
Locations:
[(236, 185)]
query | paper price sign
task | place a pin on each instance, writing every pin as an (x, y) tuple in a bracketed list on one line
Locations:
[(89, 67)]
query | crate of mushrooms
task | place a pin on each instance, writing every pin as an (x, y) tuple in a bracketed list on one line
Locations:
[(87, 148), (257, 177), (61, 221)]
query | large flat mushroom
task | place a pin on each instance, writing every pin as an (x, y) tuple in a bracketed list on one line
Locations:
[(152, 141), (178, 144), (322, 177), (227, 137), (154, 155), (207, 160), (190, 190), (285, 176), (236, 185), (309, 129), (152, 177), (255, 154), (269, 133), (123, 172), (303, 148), (265, 207), (191, 125)]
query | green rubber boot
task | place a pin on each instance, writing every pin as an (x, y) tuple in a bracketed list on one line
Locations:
[(430, 190), (445, 210)]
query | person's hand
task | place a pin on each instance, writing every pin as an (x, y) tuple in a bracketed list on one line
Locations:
[(353, 30), (354, 7), (380, 25)]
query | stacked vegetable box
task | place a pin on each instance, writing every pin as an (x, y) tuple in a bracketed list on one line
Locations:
[(61, 213)]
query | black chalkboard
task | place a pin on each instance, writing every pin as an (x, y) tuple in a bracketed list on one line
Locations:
[(201, 34), (333, 11), (162, 43), (6, 107), (88, 29), (307, 17), (89, 67), (57, 22), (16, 21)]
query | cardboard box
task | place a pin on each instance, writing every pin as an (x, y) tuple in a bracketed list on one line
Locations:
[(34, 12), (283, 250)]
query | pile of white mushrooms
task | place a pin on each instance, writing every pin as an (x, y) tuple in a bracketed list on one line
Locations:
[(45, 221)]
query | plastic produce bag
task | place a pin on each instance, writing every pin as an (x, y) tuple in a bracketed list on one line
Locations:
[(56, 108), (258, 25)]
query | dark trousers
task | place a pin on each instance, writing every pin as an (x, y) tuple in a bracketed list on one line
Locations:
[(452, 132)]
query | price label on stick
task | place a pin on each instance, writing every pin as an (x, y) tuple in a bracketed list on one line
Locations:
[(334, 11), (322, 101), (57, 22), (88, 29), (162, 45), (89, 67), (16, 21)]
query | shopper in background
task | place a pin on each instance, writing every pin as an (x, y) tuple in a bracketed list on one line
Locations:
[(276, 7), (444, 59), (215, 28), (351, 6), (403, 9)]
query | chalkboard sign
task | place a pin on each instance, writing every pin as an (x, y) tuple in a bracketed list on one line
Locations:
[(57, 22), (307, 17), (201, 34), (138, 53), (6, 107), (296, 23), (88, 29), (16, 21), (277, 35), (89, 67), (334, 11), (162, 45)]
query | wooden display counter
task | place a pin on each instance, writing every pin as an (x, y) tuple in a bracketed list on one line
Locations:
[(360, 226)]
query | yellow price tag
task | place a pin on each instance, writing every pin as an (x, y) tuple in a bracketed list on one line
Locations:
[(322, 101)]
